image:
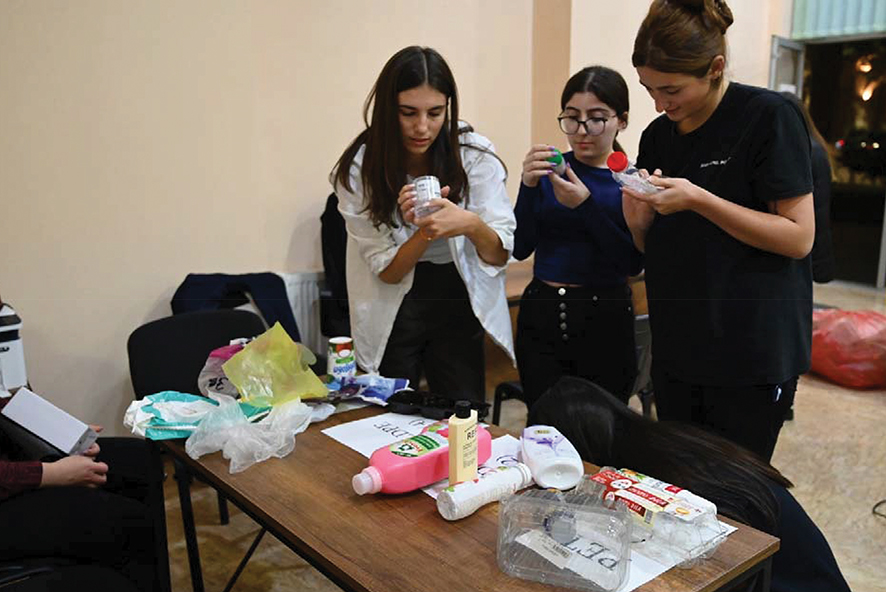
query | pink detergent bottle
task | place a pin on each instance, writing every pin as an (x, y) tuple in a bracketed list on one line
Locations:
[(415, 462)]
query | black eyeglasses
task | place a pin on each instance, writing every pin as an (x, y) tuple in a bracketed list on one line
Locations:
[(594, 126)]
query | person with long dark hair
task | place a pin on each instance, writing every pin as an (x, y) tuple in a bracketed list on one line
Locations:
[(422, 290), (727, 237), (606, 432), (576, 317)]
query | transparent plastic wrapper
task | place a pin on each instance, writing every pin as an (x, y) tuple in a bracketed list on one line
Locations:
[(670, 529), (273, 369), (245, 443), (574, 540)]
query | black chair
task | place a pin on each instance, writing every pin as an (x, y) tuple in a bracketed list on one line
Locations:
[(168, 354), (642, 384)]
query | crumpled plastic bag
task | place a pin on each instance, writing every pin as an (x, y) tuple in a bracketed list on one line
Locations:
[(243, 443), (171, 414), (849, 347), (273, 369), (212, 379), (372, 388)]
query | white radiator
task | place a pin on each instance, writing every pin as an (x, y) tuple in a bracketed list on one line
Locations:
[(303, 292)]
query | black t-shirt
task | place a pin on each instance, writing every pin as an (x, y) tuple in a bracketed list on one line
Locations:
[(723, 312)]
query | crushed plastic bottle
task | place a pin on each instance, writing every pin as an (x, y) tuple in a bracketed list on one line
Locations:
[(627, 174), (572, 540)]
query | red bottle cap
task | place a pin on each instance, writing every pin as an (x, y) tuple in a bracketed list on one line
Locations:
[(617, 161)]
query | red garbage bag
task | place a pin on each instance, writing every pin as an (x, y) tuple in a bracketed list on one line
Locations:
[(849, 347)]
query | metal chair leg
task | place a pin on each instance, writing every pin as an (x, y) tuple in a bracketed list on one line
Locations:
[(245, 560), (223, 516), (183, 478)]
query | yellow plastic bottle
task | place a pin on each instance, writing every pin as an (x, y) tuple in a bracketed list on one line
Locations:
[(463, 443)]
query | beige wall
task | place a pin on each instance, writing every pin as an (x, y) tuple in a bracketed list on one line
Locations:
[(143, 140)]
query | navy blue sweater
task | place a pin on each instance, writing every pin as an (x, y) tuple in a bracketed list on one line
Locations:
[(589, 245)]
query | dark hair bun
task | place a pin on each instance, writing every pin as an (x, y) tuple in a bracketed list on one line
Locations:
[(718, 11)]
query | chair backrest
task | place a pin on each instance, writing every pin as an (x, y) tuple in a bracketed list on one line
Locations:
[(169, 353), (643, 339)]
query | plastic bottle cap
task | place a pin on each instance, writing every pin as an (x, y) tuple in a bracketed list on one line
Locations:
[(617, 161), (557, 158), (559, 475), (367, 481), (463, 409)]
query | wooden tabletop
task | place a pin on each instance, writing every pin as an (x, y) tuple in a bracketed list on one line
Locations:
[(384, 543)]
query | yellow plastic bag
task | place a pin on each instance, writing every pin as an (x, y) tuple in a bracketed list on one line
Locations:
[(273, 369)]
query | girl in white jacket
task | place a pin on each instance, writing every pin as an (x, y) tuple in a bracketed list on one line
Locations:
[(423, 290)]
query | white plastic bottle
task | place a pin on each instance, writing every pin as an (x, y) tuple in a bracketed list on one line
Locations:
[(463, 499), (627, 174), (552, 458)]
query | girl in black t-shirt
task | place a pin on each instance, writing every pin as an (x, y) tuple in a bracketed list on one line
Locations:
[(728, 235)]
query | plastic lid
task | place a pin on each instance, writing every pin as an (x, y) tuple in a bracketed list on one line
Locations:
[(557, 158), (367, 481), (617, 161), (463, 409), (560, 475)]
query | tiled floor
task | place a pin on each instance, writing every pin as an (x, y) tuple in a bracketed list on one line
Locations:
[(834, 451)]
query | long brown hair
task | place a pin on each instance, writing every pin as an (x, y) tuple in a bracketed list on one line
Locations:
[(383, 171), (605, 431), (682, 36)]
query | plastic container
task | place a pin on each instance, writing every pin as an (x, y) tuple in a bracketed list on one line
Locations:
[(570, 540), (627, 175), (13, 373), (426, 189), (558, 160), (415, 462), (552, 458), (679, 492), (462, 443), (670, 529), (461, 500)]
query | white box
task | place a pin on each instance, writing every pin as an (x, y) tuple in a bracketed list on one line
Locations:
[(43, 419)]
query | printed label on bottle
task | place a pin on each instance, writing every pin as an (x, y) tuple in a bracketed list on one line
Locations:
[(417, 445), (469, 449)]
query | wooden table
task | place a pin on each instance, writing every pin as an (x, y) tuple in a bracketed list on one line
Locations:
[(381, 543)]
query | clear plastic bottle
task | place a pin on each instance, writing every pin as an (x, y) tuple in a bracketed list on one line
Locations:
[(627, 175)]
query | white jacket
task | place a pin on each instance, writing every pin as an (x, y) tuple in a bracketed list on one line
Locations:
[(374, 304)]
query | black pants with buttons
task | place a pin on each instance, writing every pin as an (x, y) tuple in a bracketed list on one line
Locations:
[(584, 331)]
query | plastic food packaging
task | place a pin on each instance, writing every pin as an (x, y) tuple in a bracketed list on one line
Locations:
[(670, 529), (849, 347), (463, 499), (627, 175), (699, 501), (273, 369), (415, 462), (552, 458), (573, 540)]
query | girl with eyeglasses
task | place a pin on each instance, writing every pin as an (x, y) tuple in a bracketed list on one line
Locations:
[(422, 290), (576, 317), (728, 236)]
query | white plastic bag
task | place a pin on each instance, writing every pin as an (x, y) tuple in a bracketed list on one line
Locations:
[(244, 443)]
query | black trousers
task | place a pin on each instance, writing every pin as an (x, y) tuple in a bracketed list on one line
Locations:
[(751, 416), (585, 332), (436, 334), (110, 527)]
